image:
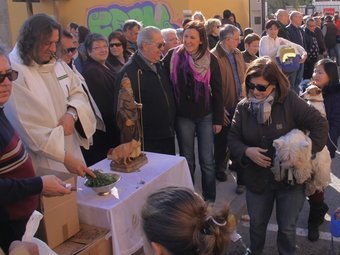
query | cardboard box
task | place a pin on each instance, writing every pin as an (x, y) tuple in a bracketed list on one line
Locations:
[(60, 221), (90, 240)]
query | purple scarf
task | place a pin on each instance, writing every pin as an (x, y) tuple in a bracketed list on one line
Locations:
[(199, 69)]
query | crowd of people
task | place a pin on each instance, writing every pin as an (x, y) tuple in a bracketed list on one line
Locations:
[(208, 81)]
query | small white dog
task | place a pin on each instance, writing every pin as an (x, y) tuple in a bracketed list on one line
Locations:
[(313, 95), (293, 162)]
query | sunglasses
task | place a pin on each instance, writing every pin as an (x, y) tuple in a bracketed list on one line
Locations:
[(261, 88), (70, 50), (160, 45), (115, 44), (11, 75)]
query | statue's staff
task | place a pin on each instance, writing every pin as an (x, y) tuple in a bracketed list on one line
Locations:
[(139, 72)]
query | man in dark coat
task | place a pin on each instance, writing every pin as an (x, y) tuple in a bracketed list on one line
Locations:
[(312, 48), (297, 36), (151, 87)]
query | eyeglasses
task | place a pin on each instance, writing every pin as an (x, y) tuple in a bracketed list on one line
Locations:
[(115, 45), (70, 50), (261, 88), (11, 75), (100, 48)]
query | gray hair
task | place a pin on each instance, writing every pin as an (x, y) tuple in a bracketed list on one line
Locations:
[(280, 12), (293, 14), (228, 31), (166, 31), (145, 35)]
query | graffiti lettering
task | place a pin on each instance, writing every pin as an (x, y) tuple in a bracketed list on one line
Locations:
[(104, 20)]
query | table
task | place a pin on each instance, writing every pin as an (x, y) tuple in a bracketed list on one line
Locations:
[(120, 211)]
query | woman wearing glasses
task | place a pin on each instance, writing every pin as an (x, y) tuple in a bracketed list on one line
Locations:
[(196, 80), (118, 54), (269, 111), (212, 26), (19, 187), (100, 78)]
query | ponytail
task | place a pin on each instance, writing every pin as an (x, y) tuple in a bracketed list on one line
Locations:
[(188, 227)]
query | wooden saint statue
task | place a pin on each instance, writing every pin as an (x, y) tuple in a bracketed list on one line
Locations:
[(128, 121)]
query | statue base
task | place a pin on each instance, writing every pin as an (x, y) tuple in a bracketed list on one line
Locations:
[(132, 166)]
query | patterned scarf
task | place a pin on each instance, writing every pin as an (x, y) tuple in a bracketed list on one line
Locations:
[(199, 69), (262, 108)]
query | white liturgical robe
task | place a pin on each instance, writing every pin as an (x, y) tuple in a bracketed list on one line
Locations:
[(40, 97)]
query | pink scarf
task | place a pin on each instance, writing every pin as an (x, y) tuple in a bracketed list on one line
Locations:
[(199, 69)]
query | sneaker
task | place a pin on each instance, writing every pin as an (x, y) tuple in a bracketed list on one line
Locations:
[(240, 189), (221, 176)]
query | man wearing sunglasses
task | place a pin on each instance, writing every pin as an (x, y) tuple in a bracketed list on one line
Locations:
[(232, 68), (66, 53), (49, 107), (151, 88)]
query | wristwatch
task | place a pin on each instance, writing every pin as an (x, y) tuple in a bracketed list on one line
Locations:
[(73, 113)]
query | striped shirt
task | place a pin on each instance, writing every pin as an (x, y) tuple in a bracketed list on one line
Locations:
[(15, 164)]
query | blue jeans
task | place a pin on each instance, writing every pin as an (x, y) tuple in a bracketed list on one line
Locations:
[(338, 53), (186, 128), (289, 202), (295, 78)]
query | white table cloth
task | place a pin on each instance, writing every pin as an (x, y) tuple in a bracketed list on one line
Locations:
[(120, 211)]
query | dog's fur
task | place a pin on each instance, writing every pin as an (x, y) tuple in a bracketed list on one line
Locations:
[(293, 162), (313, 96)]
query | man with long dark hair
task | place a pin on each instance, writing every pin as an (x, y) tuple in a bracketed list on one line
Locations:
[(49, 107)]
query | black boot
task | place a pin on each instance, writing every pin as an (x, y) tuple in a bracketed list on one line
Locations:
[(317, 213)]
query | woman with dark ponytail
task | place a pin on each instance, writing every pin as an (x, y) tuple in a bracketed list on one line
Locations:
[(177, 221)]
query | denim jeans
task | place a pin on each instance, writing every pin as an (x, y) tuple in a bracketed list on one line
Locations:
[(338, 53), (186, 129), (289, 202), (295, 78), (332, 54)]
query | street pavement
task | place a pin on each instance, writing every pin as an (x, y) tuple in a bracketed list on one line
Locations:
[(226, 194)]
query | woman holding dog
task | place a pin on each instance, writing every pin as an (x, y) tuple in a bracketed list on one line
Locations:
[(270, 110), (326, 77)]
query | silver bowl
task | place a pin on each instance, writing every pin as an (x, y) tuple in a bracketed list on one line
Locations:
[(105, 190)]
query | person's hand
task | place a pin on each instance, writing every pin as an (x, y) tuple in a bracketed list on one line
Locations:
[(226, 119), (303, 58), (53, 186), (31, 248), (139, 105), (217, 128), (129, 123), (256, 155), (67, 122), (76, 166)]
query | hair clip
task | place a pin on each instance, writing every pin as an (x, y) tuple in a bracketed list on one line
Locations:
[(215, 222)]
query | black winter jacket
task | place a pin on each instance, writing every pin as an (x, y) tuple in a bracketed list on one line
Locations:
[(292, 112), (156, 95)]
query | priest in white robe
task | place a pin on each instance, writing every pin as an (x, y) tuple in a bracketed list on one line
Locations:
[(48, 106)]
